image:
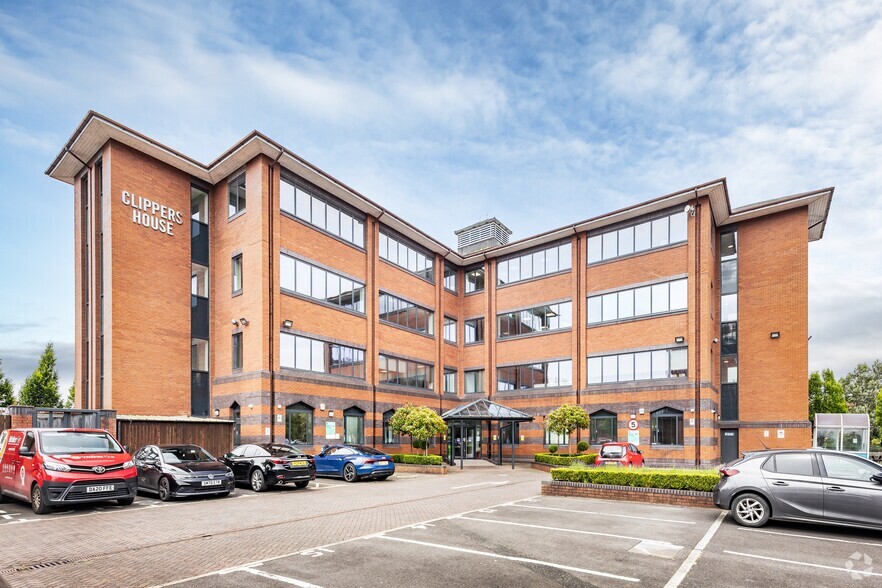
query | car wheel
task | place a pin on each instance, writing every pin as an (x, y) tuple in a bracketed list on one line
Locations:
[(349, 473), (381, 478), (224, 494), (125, 501), (164, 490), (302, 484), (37, 503), (751, 510), (258, 481)]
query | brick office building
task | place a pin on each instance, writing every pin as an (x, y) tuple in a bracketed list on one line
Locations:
[(303, 310)]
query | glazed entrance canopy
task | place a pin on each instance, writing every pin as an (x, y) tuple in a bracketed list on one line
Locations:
[(485, 410)]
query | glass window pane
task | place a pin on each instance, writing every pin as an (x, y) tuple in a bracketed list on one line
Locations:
[(679, 359), (660, 364), (610, 368), (565, 310), (318, 356), (552, 261), (286, 350), (642, 298), (565, 257), (729, 277), (302, 348), (287, 275), (595, 309), (610, 307), (318, 283), (626, 367), (729, 369), (318, 213), (358, 232), (287, 197), (566, 373), (333, 220), (660, 298), (679, 296), (728, 338), (729, 310), (304, 278), (728, 245), (514, 270), (526, 267), (595, 249), (345, 226), (502, 272), (595, 370), (626, 241), (643, 366), (610, 245), (642, 234), (660, 232), (333, 291), (384, 246), (411, 260), (678, 227), (626, 304), (303, 205), (539, 262)]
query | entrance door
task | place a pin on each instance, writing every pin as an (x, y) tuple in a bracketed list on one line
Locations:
[(465, 440), (728, 445)]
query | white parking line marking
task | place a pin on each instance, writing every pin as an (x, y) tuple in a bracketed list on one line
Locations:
[(597, 533), (815, 537), (684, 568), (510, 558), (606, 514), (277, 578), (479, 484), (803, 563)]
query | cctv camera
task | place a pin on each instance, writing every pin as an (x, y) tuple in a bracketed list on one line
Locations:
[(716, 340), (688, 208)]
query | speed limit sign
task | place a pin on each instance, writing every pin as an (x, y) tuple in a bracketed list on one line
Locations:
[(633, 424)]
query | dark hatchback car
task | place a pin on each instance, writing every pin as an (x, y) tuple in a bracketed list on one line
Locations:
[(810, 485), (267, 464), (172, 471)]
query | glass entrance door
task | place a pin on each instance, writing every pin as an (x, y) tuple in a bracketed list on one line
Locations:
[(466, 441)]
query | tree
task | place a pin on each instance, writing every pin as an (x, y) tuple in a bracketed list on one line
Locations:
[(565, 419), (7, 395), (877, 421), (861, 386), (41, 387), (71, 398), (834, 397), (419, 422), (816, 395)]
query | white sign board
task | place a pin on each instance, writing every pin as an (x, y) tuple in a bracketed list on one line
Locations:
[(330, 430), (780, 433), (634, 437)]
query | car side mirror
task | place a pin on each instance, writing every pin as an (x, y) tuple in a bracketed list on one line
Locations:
[(876, 478), (25, 453)]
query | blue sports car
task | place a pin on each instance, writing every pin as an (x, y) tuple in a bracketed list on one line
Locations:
[(352, 462)]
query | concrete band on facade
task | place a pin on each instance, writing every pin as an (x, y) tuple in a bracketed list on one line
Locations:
[(135, 312)]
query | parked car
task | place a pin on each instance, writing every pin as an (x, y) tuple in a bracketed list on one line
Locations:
[(809, 485), (58, 467), (622, 454), (267, 464), (172, 471), (352, 462)]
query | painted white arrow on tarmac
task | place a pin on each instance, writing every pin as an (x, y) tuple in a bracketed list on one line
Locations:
[(479, 484)]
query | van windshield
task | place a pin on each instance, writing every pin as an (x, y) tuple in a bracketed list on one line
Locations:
[(55, 442)]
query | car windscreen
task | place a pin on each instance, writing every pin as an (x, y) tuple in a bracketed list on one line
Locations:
[(185, 453), (63, 442), (612, 451), (367, 450)]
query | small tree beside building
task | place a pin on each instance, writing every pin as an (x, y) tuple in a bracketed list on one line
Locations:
[(419, 422), (565, 419), (41, 387), (7, 394)]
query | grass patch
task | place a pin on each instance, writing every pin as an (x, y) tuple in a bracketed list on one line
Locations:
[(564, 460), (671, 479)]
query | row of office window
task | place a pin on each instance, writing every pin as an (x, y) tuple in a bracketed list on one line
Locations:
[(637, 302), (645, 365), (549, 374), (531, 265), (406, 314), (299, 423), (406, 256), (634, 239), (549, 317), (303, 353), (321, 212), (406, 372), (321, 284)]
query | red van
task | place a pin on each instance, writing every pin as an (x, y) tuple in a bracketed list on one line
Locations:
[(57, 467)]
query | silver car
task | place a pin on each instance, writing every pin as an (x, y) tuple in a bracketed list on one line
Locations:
[(809, 485)]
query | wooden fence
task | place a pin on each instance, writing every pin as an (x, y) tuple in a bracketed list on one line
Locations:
[(216, 436)]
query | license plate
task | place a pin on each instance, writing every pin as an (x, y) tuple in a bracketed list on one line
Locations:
[(383, 463), (212, 482), (295, 464), (91, 489)]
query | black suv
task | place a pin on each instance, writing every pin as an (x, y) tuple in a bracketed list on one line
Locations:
[(267, 464)]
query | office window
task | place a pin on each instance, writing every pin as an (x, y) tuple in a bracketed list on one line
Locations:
[(405, 372), (729, 307), (237, 274), (353, 426), (237, 351), (549, 317), (474, 280), (729, 369), (474, 382), (198, 280), (237, 195), (666, 427), (636, 238), (474, 330), (321, 284), (406, 314), (199, 204), (604, 427), (406, 256), (550, 374), (298, 424), (450, 278), (449, 330), (303, 353), (636, 302), (390, 437), (311, 205), (198, 355), (644, 365), (552, 438), (729, 338), (729, 277), (531, 265), (511, 433), (450, 381)]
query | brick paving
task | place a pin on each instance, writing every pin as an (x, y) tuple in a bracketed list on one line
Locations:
[(156, 544)]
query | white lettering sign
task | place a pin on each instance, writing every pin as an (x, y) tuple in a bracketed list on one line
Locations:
[(153, 215)]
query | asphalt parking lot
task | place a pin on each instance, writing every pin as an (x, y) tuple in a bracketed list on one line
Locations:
[(479, 528)]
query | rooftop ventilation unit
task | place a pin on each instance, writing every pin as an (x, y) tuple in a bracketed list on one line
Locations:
[(482, 235)]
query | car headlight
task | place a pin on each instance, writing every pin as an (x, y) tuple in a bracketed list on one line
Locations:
[(55, 466), (128, 464), (183, 477)]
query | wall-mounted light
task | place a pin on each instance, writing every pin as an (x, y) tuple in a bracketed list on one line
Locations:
[(322, 406), (216, 412), (716, 340), (235, 323), (775, 334), (679, 339), (243, 321), (279, 406), (331, 413), (250, 406), (287, 324), (713, 411)]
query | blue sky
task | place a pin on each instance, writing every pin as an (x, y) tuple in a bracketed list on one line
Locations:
[(537, 113)]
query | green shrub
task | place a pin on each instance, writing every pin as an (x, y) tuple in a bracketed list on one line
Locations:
[(564, 460), (700, 480), (419, 444), (582, 446), (552, 449), (416, 459), (579, 465)]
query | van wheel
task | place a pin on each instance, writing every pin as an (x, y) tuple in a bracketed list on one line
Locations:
[(751, 510), (37, 503), (125, 501)]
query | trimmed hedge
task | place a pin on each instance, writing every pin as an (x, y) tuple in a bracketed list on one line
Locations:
[(699, 480), (416, 459), (563, 459)]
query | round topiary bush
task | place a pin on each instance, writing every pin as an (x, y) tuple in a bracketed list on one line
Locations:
[(582, 446), (552, 449), (419, 444)]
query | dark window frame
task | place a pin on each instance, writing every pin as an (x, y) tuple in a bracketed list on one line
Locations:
[(666, 413), (238, 354), (300, 408), (236, 261), (239, 185), (604, 415)]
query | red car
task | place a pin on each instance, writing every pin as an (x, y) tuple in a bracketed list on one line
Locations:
[(56, 467), (622, 454)]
